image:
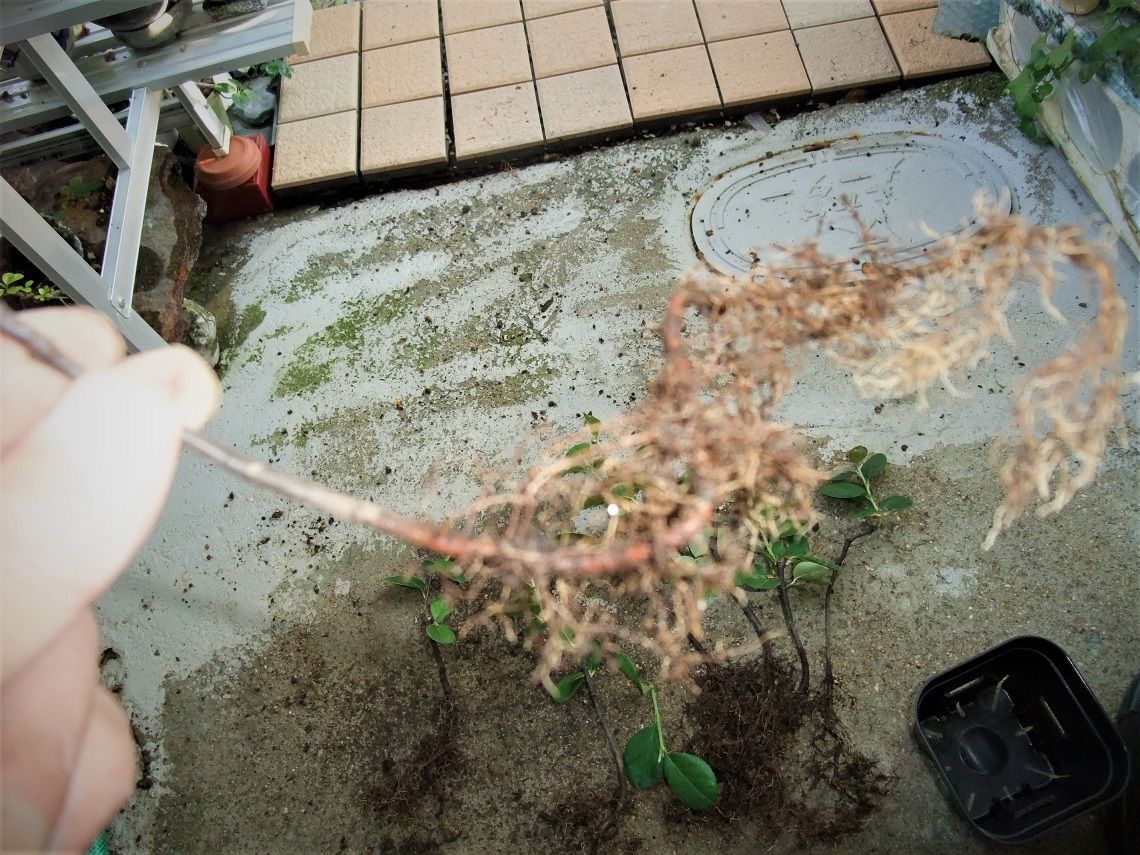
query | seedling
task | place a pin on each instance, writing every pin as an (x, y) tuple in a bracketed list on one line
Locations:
[(647, 761), (438, 608), (855, 485), (16, 285)]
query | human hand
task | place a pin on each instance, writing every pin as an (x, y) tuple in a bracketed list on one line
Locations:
[(85, 467)]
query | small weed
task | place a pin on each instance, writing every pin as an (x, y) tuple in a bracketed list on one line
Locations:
[(18, 287), (855, 485)]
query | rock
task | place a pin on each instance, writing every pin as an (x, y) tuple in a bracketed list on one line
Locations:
[(201, 331), (77, 198), (171, 238)]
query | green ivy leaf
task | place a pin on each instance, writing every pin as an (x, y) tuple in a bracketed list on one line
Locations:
[(691, 780), (439, 609), (798, 548), (759, 581), (565, 688), (408, 582), (809, 571), (863, 513), (642, 758), (578, 449), (857, 453), (843, 490), (441, 633), (896, 503), (845, 475), (626, 666), (594, 501), (873, 466)]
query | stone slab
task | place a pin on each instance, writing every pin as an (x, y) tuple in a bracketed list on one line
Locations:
[(645, 26), (315, 151), (496, 121), (574, 41), (815, 13), (759, 68), (335, 31), (487, 58), (394, 22), (671, 83), (459, 16), (397, 137), (732, 19), (320, 88), (542, 8), (921, 52), (584, 103), (845, 55), (406, 72)]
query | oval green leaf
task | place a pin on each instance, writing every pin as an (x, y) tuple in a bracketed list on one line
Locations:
[(843, 476), (798, 548), (441, 633), (896, 503), (857, 453), (874, 465), (842, 490), (758, 581), (809, 571), (863, 513), (626, 666), (642, 758), (565, 688), (577, 449), (691, 780), (439, 609), (408, 582)]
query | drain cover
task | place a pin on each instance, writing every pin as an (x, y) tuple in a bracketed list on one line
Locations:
[(897, 182)]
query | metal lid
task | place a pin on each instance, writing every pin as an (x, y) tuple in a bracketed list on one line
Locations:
[(909, 189)]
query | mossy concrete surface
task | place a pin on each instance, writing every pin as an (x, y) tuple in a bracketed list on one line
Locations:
[(417, 344)]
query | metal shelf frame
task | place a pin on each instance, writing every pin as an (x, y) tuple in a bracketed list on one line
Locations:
[(203, 49)]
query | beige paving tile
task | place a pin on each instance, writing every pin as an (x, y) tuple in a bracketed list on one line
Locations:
[(394, 22), (644, 26), (459, 16), (813, 13), (336, 31), (483, 59), (495, 121), (583, 103), (888, 7), (670, 83), (314, 151), (731, 19), (402, 136), (847, 54), (759, 68), (571, 42), (401, 73), (921, 52), (320, 88), (541, 8)]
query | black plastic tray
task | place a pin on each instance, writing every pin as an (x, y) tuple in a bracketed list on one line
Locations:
[(1020, 740)]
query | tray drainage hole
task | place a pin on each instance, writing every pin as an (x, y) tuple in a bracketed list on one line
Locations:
[(983, 751)]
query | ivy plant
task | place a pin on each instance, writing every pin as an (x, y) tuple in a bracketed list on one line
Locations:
[(854, 485), (1118, 42), (647, 761), (437, 629)]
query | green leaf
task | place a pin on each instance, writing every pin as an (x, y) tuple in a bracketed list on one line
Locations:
[(592, 421), (439, 609), (759, 580), (10, 278), (798, 548), (809, 571), (565, 688), (863, 513), (843, 490), (691, 780), (439, 565), (642, 758), (441, 633), (594, 501), (873, 466), (699, 546), (856, 454), (845, 475), (408, 582), (593, 660), (578, 449), (624, 491), (626, 666), (896, 503)]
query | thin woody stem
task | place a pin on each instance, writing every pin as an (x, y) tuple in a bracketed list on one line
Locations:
[(562, 561)]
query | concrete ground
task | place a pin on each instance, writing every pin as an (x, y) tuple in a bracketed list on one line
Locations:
[(408, 346)]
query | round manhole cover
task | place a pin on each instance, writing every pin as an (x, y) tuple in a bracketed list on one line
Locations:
[(903, 186)]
